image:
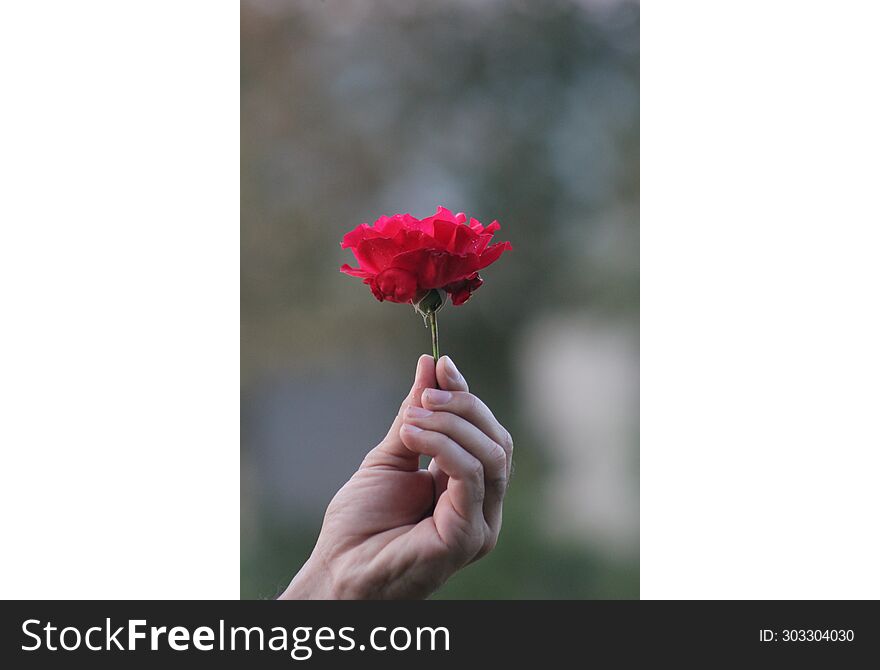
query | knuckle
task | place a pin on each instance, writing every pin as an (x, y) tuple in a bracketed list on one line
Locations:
[(498, 456), (476, 482), (472, 544), (498, 486), (373, 456), (488, 544), (475, 471), (507, 441)]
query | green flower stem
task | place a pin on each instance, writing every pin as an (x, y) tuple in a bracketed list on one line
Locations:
[(435, 340), (428, 306)]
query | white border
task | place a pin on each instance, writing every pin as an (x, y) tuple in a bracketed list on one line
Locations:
[(760, 447), (119, 271), (120, 292)]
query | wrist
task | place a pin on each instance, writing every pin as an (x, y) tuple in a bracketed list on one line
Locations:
[(312, 582)]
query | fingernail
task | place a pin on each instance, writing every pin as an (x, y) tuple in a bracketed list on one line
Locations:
[(409, 428), (419, 363), (437, 397), (418, 412), (453, 372)]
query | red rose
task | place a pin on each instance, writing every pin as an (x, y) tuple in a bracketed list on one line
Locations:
[(401, 257)]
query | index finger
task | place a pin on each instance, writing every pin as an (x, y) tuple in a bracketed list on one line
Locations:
[(448, 376), (473, 410)]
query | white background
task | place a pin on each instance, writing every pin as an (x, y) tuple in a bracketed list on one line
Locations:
[(760, 356), (119, 155), (119, 272)]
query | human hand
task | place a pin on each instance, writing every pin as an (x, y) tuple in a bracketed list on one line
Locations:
[(394, 531)]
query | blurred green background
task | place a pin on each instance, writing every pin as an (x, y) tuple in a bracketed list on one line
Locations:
[(526, 112)]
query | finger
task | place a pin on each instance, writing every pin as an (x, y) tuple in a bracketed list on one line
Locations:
[(490, 454), (448, 376), (473, 410), (391, 451), (441, 479), (466, 480)]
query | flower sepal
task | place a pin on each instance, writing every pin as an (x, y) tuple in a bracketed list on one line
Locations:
[(430, 303)]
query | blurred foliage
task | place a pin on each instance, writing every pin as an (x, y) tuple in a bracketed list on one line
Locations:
[(525, 112)]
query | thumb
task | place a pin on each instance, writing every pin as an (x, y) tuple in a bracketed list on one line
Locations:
[(391, 451)]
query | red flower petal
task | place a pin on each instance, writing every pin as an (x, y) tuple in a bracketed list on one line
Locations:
[(401, 256), (460, 291), (436, 268), (444, 215), (375, 289), (407, 240), (493, 253), (444, 233), (356, 236), (466, 241), (395, 285), (376, 254), (355, 272)]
